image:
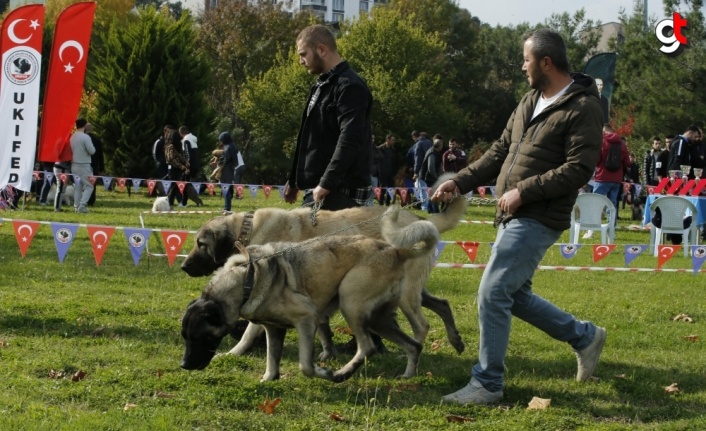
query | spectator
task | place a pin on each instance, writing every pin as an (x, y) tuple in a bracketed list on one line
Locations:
[(431, 169), (680, 151), (663, 159), (454, 159), (375, 157), (177, 165), (160, 161), (46, 183), (652, 162), (190, 149), (422, 144), (82, 149), (632, 176), (388, 168), (229, 161), (552, 139), (331, 161), (97, 160)]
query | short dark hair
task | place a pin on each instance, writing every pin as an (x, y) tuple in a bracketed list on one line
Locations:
[(389, 135), (693, 128), (81, 122), (318, 34), (549, 43), (184, 130), (656, 138), (415, 133)]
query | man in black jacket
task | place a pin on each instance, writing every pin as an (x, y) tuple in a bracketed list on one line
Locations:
[(332, 157)]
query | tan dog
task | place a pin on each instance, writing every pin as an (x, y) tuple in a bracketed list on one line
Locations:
[(283, 285), (216, 238)]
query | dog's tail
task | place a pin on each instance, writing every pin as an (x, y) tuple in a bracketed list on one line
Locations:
[(452, 212), (415, 239)]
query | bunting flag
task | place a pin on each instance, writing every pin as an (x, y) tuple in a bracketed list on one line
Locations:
[(224, 188), (698, 254), (24, 233), (378, 192), (439, 248), (568, 251), (211, 188), (166, 184), (21, 47), (173, 242), (136, 184), (469, 195), (151, 184), (100, 238), (481, 192), (197, 186), (48, 176), (391, 192), (239, 191), (92, 180), (64, 178), (471, 249), (665, 252), (601, 251), (253, 191), (64, 235), (121, 183), (492, 191), (651, 190), (281, 191), (633, 251), (403, 195), (107, 181), (137, 240), (267, 190), (638, 189), (77, 179), (67, 69)]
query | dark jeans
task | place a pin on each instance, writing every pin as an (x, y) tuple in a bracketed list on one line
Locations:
[(332, 202)]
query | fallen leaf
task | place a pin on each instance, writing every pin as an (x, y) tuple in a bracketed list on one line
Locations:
[(539, 403), (458, 419), (344, 330), (672, 389), (4, 343), (78, 376), (268, 407), (129, 406), (159, 373), (683, 317), (693, 338), (160, 394), (620, 376), (55, 374), (336, 417), (436, 345)]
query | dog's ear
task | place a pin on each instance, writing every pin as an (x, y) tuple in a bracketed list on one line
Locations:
[(241, 249)]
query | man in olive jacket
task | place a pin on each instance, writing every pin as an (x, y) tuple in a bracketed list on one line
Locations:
[(547, 152)]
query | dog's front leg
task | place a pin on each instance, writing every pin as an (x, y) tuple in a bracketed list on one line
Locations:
[(251, 334), (275, 344), (325, 334), (306, 328)]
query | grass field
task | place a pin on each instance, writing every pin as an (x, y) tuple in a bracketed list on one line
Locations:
[(119, 324)]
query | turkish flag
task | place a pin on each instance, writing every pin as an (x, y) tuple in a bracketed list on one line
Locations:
[(471, 249), (24, 233), (67, 69), (173, 242), (100, 238), (267, 190), (601, 251), (665, 252)]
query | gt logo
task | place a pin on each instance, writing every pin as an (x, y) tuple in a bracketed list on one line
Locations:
[(670, 32)]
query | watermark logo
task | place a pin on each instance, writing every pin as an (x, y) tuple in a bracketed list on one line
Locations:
[(670, 32)]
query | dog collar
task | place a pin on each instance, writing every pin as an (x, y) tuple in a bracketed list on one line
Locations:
[(249, 281), (245, 230)]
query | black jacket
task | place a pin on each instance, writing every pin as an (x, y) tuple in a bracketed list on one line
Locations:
[(333, 145)]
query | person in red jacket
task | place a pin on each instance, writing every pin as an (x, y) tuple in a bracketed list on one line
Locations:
[(608, 182)]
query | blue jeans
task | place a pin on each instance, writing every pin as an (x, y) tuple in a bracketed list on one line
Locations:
[(609, 190), (506, 290), (421, 186)]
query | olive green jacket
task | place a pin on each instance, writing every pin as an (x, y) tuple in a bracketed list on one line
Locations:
[(547, 158)]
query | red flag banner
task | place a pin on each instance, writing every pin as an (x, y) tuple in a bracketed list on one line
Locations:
[(67, 69), (24, 233), (173, 242), (267, 190), (100, 238), (601, 251), (21, 48), (471, 248), (666, 252)]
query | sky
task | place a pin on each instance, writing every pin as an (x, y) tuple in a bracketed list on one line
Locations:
[(513, 12)]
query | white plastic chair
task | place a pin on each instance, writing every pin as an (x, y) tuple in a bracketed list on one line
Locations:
[(673, 210), (588, 215)]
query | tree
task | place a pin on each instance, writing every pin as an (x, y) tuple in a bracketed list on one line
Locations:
[(148, 75), (242, 39)]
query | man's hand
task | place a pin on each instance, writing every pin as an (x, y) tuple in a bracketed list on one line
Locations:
[(290, 193), (510, 201), (320, 193), (445, 192)]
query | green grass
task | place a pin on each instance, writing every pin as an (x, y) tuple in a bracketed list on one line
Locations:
[(120, 324)]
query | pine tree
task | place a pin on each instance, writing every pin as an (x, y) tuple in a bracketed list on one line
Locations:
[(148, 74)]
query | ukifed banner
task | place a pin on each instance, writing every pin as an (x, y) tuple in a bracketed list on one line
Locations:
[(67, 69), (21, 47)]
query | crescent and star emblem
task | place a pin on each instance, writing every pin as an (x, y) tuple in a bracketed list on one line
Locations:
[(666, 253), (172, 247), (11, 31), (100, 233), (22, 227), (602, 249), (68, 67)]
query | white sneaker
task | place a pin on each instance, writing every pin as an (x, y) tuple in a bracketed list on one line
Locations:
[(588, 234), (588, 357), (472, 393)]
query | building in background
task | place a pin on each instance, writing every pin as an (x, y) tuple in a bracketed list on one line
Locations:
[(328, 10)]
